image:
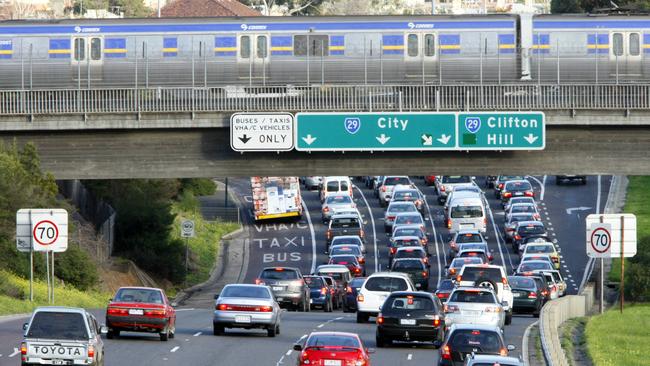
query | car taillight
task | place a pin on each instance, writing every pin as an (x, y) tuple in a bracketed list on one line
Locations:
[(485, 221), (383, 189), (223, 307), (154, 312), (329, 234), (436, 321), (259, 281), (445, 352), (517, 237), (23, 348), (323, 291), (348, 290), (451, 309), (425, 260), (441, 295), (507, 195), (509, 229), (326, 209), (393, 250), (493, 309), (459, 278), (442, 188), (424, 273), (544, 292), (380, 319), (391, 218), (503, 352), (91, 351), (357, 270), (490, 257), (117, 311), (529, 194), (500, 185), (332, 291), (360, 298), (448, 223), (452, 271), (453, 245), (361, 260), (362, 233), (423, 241), (532, 295), (504, 280)]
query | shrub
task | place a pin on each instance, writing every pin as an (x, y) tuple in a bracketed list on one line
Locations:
[(199, 186)]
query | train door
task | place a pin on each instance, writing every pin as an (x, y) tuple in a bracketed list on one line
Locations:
[(253, 57), (626, 54), (87, 59), (420, 54)]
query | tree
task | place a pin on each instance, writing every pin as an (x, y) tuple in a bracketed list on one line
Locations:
[(287, 7), (565, 6), (132, 8), (372, 7)]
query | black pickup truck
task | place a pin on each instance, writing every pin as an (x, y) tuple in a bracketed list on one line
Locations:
[(344, 225)]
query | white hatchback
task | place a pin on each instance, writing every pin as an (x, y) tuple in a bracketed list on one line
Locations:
[(376, 289)]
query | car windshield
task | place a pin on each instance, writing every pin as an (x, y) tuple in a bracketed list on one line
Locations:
[(337, 276), (386, 284), (533, 257), (138, 295), (484, 341), (518, 186), (408, 303), (252, 292), (531, 229), (357, 282), (468, 246), (532, 248), (393, 181), (522, 282), (342, 240), (456, 179), (521, 217), (469, 238), (505, 178), (405, 242), (473, 296), (465, 212), (475, 273), (514, 200), (57, 325), (459, 262), (471, 253), (501, 363), (534, 266), (314, 282), (333, 186), (333, 200), (279, 274), (345, 222), (410, 253), (407, 265), (323, 340), (402, 208), (407, 232), (408, 219), (523, 208), (348, 249), (344, 259), (406, 195)]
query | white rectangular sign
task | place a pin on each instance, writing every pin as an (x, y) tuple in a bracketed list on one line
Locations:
[(44, 228), (604, 235), (187, 229), (261, 132)]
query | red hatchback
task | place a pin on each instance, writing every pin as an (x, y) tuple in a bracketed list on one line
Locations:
[(140, 309), (333, 349)]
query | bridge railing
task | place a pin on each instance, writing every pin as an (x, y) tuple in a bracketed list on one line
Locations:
[(326, 98)]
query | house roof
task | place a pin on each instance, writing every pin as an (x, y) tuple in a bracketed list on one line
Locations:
[(207, 8)]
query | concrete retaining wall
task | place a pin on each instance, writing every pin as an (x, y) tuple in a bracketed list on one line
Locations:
[(557, 312)]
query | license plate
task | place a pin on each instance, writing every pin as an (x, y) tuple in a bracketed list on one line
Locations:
[(242, 319), (519, 194), (136, 311), (466, 226), (407, 321), (60, 362), (279, 299), (332, 362), (278, 288), (516, 294), (471, 312)]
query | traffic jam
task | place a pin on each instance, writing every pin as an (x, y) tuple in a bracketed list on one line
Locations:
[(442, 287)]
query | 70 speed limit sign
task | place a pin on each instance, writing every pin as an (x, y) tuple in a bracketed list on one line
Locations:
[(600, 240)]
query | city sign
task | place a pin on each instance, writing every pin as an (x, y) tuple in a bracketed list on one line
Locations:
[(261, 132), (44, 230), (501, 131), (381, 131)]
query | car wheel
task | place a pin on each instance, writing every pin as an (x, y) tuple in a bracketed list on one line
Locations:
[(172, 333), (112, 333), (509, 317), (488, 283), (272, 331), (164, 335), (379, 340), (217, 329)]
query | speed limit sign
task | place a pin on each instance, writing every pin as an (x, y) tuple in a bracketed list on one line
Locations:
[(599, 244), (42, 230), (187, 229)]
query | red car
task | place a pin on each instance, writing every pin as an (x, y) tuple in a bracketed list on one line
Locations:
[(430, 180), (140, 309), (350, 261), (333, 348)]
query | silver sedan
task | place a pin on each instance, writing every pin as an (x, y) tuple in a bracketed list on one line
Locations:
[(336, 203), (474, 305), (247, 307)]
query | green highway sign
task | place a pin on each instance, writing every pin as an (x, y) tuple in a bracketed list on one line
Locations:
[(381, 131), (501, 131)]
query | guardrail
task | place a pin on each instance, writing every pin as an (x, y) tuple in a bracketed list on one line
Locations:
[(327, 98)]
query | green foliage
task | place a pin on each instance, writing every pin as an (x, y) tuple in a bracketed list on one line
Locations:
[(75, 266), (198, 186), (187, 202), (564, 6), (132, 8)]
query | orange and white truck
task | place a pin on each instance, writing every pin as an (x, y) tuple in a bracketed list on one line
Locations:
[(275, 197)]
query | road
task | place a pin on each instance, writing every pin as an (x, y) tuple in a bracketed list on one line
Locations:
[(301, 244)]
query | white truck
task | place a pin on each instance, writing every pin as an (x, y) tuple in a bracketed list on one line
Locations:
[(275, 197), (58, 335)]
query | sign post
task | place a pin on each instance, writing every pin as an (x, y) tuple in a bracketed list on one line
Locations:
[(187, 232), (611, 236)]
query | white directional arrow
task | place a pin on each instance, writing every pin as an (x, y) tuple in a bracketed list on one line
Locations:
[(427, 140), (531, 138), (309, 139), (16, 351), (570, 210), (383, 139), (444, 139)]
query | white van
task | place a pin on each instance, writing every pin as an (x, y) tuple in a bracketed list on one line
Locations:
[(334, 186), (467, 214)]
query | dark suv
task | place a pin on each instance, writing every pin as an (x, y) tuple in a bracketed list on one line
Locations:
[(287, 285), (465, 339), (415, 269), (410, 316)]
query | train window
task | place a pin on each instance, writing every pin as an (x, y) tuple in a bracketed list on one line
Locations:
[(95, 49), (261, 47), (429, 45), (245, 47), (79, 49), (319, 45), (617, 40), (412, 45), (635, 47), (300, 45)]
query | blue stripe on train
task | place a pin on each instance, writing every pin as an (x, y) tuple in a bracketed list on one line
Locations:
[(115, 43), (59, 45), (602, 39), (339, 43), (281, 46), (6, 45), (225, 46), (170, 47)]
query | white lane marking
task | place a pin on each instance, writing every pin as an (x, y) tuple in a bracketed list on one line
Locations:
[(313, 237), (374, 231), (281, 359), (568, 275), (541, 183), (524, 342), (339, 318), (197, 334), (435, 236), (288, 352), (497, 235), (320, 325), (190, 309), (409, 357), (16, 351), (174, 349)]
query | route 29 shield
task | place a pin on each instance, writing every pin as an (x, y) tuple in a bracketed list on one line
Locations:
[(473, 124), (352, 125)]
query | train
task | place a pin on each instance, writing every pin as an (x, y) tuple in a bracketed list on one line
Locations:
[(355, 50)]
